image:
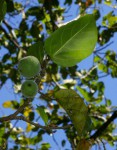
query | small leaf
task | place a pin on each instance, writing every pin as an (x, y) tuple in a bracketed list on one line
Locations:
[(11, 104), (37, 50), (88, 96), (73, 42), (45, 146), (27, 110), (103, 67), (84, 93), (108, 102), (97, 59), (42, 113), (29, 127), (34, 140), (7, 104)]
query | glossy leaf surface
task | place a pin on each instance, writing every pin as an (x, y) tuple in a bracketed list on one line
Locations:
[(73, 42)]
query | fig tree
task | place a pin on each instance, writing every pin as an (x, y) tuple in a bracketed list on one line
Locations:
[(29, 88), (29, 66)]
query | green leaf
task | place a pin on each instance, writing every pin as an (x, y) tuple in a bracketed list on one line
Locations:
[(42, 113), (45, 146), (108, 102), (2, 131), (37, 50), (73, 42), (84, 93), (75, 108), (11, 104), (103, 67), (3, 9), (7, 104), (34, 140), (108, 2), (97, 59), (88, 96)]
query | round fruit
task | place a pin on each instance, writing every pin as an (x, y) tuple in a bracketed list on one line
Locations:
[(29, 66), (29, 88)]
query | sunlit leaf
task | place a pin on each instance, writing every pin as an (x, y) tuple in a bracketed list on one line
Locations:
[(7, 104), (27, 110), (29, 127), (108, 2), (103, 67), (84, 93), (43, 114), (97, 59), (73, 42), (89, 96)]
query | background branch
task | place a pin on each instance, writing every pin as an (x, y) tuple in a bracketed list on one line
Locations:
[(104, 126), (38, 125), (19, 110), (10, 37)]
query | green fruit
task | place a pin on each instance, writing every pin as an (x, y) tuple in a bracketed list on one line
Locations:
[(29, 66), (29, 88)]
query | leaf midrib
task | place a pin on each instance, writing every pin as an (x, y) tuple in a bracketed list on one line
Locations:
[(70, 39)]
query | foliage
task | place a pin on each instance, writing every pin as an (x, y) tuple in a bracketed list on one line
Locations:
[(38, 29)]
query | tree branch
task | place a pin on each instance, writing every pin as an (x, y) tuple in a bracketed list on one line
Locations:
[(10, 37), (49, 127), (100, 49), (104, 126), (19, 110)]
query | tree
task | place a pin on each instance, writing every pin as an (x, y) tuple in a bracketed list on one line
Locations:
[(69, 98)]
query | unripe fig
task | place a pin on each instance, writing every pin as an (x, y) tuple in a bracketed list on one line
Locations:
[(29, 88), (29, 66)]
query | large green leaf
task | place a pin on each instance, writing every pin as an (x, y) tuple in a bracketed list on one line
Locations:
[(73, 42), (75, 108), (3, 8)]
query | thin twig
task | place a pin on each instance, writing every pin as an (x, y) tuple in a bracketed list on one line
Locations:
[(38, 125), (10, 37), (100, 49)]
